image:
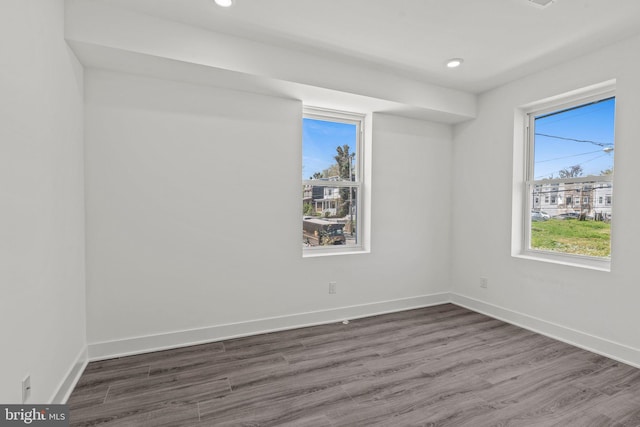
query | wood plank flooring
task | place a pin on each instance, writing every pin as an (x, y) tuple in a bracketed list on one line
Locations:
[(437, 366)]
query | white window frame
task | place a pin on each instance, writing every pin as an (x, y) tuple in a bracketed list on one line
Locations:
[(524, 180), (358, 120)]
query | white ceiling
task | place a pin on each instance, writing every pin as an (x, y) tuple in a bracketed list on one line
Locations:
[(500, 40)]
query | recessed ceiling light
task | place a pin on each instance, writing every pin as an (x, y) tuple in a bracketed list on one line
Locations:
[(224, 3), (454, 62), (541, 3)]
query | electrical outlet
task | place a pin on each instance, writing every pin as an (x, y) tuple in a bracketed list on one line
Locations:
[(332, 287), (26, 388), (484, 282)]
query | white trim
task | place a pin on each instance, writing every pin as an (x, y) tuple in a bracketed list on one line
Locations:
[(336, 184), (567, 99), (319, 251), (145, 344), (70, 380), (328, 114), (592, 343), (569, 260)]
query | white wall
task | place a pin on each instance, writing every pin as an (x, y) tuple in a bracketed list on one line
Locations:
[(193, 216), (42, 302), (591, 308)]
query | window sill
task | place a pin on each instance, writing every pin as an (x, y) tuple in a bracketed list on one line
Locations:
[(321, 252), (591, 263)]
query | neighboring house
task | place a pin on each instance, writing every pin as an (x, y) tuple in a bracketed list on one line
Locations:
[(587, 198), (324, 199)]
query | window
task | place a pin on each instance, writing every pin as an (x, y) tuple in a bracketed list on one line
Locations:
[(568, 154), (332, 176)]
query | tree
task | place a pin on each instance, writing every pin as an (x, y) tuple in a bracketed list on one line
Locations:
[(607, 172), (307, 209), (571, 172), (344, 160), (330, 171)]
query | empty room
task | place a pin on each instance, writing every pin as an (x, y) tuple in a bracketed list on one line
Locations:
[(320, 212)]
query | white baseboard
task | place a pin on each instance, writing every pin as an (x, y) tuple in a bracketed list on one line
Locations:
[(144, 344), (71, 378), (604, 347)]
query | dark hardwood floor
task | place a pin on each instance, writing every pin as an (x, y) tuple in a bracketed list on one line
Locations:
[(437, 366)]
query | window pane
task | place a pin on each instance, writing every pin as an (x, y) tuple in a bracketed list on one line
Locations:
[(579, 222), (330, 216), (329, 150), (575, 142)]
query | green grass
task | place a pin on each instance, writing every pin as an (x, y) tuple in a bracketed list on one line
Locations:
[(592, 238)]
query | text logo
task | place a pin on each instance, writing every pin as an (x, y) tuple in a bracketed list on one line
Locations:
[(34, 415)]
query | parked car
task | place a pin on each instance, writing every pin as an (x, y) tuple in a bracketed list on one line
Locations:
[(322, 232), (539, 216)]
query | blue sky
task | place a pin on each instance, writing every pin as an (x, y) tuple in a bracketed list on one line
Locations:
[(556, 147), (593, 122), (319, 141)]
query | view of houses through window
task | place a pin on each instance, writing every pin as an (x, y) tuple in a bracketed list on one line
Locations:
[(570, 178), (330, 179)]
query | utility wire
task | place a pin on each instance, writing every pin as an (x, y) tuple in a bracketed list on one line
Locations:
[(600, 144), (566, 157), (590, 160), (579, 164), (570, 191)]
